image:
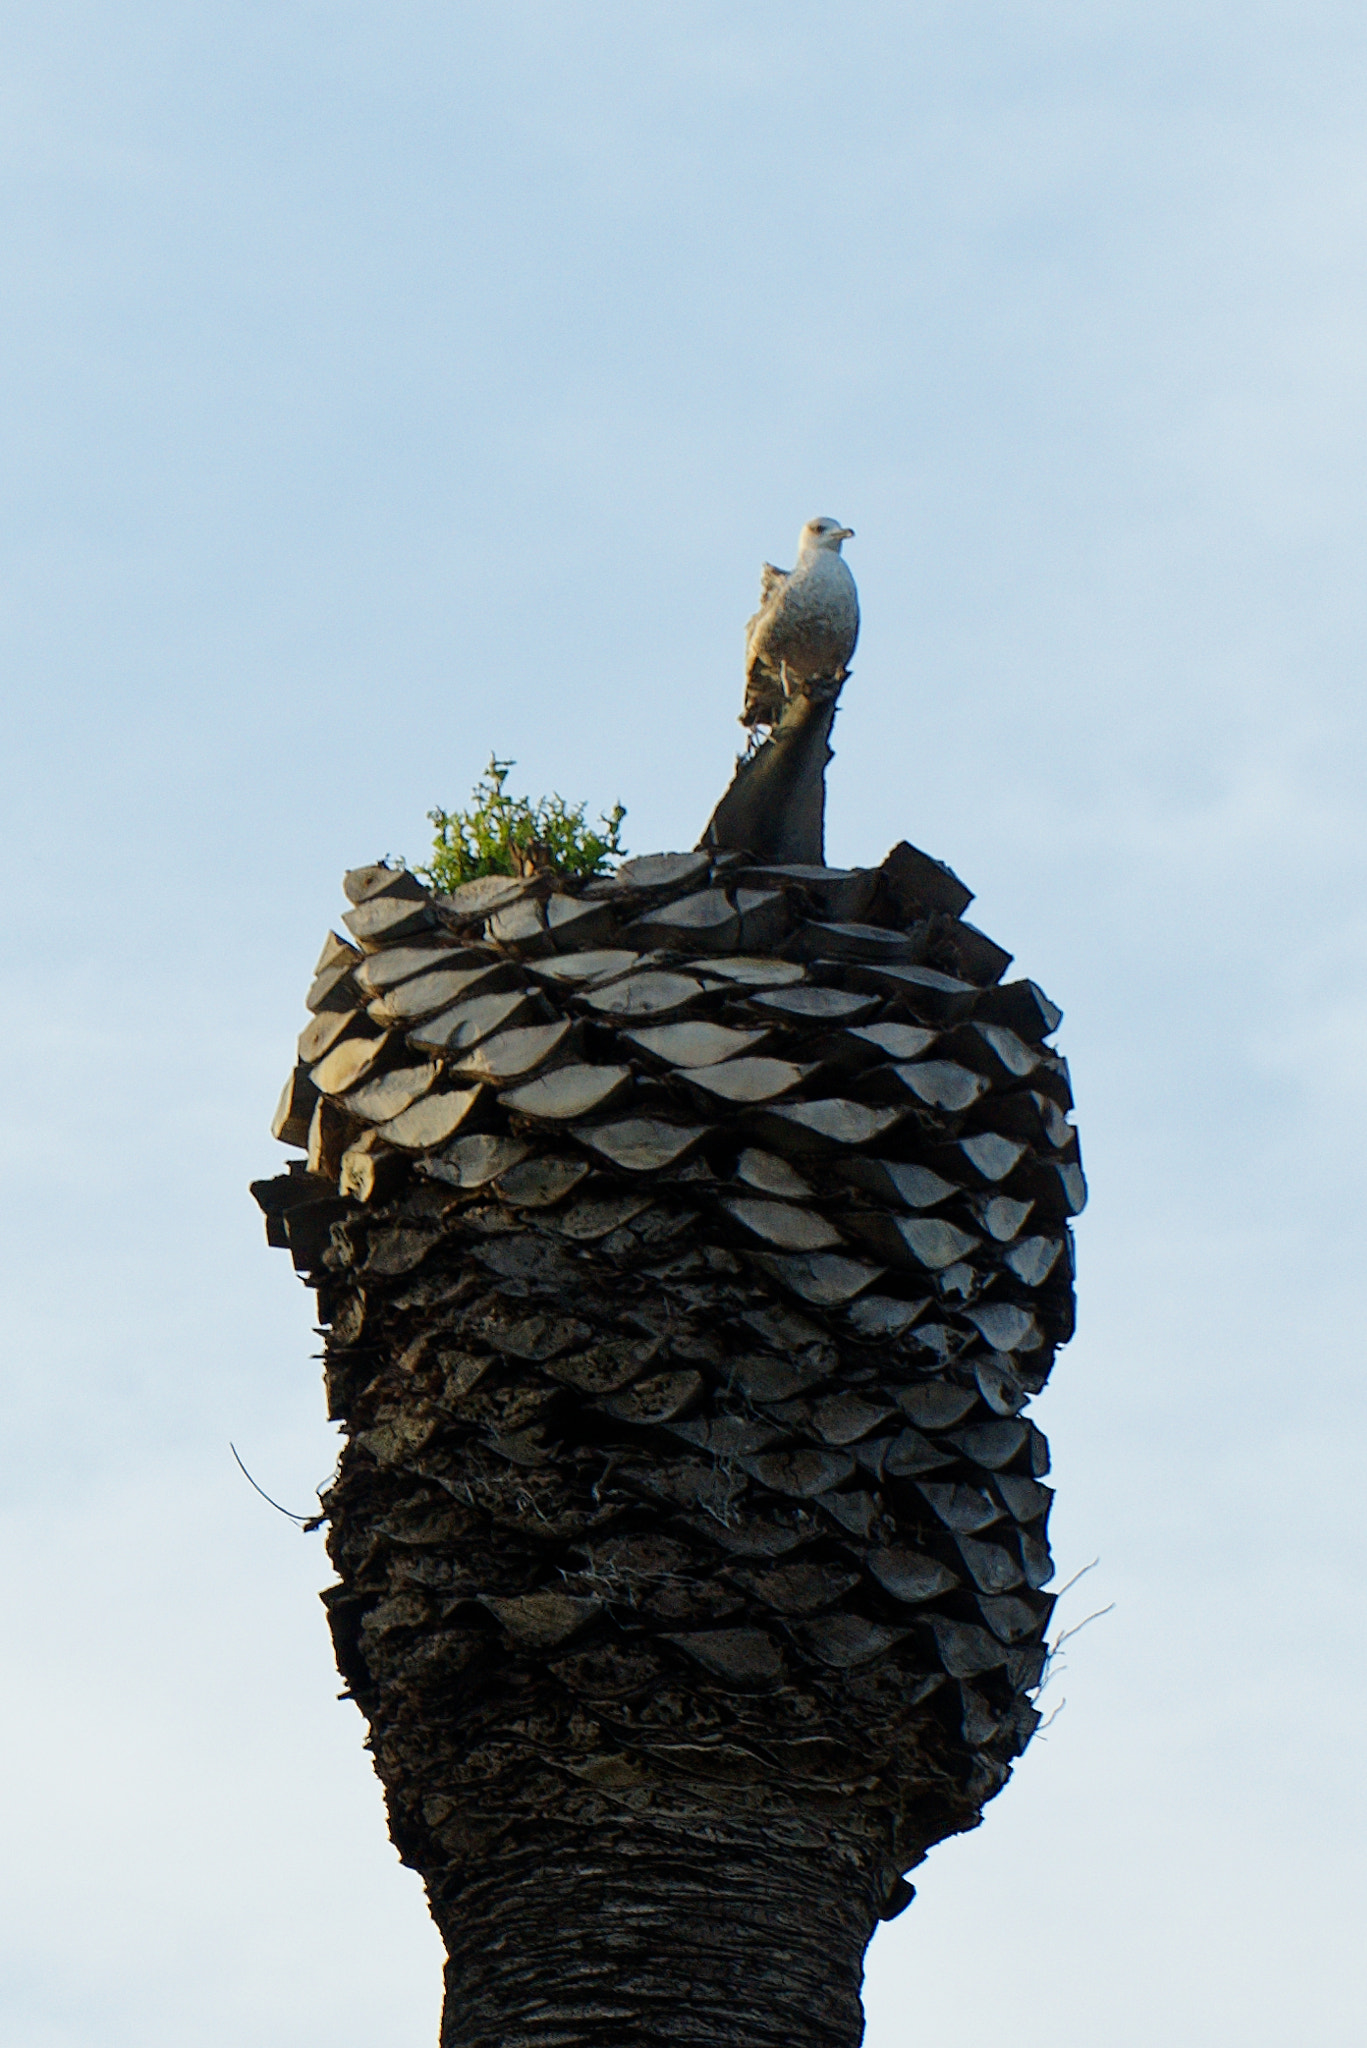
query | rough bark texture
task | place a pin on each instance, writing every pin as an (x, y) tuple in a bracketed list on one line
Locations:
[(689, 1245), (775, 808), (630, 1933)]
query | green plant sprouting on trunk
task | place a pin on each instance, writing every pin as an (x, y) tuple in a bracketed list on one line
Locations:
[(510, 835)]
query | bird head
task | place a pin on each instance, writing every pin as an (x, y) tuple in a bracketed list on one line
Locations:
[(823, 533)]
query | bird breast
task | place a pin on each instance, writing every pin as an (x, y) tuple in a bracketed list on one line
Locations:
[(812, 622)]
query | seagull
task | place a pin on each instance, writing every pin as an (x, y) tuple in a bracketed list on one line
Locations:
[(806, 625)]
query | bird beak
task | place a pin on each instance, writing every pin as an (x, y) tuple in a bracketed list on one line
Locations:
[(845, 533)]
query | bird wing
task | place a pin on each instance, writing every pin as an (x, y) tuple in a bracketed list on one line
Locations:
[(770, 580), (764, 693), (764, 697)]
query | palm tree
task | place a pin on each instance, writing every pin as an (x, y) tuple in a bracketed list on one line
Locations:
[(690, 1242)]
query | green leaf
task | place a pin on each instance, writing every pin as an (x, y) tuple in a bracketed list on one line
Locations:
[(510, 835)]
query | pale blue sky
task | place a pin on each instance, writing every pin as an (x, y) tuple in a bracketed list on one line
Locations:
[(387, 384)]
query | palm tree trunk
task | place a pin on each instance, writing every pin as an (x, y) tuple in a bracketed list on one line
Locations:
[(689, 1529), (634, 1933), (775, 808)]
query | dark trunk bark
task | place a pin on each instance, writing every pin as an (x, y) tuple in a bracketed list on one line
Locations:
[(776, 805), (631, 1934)]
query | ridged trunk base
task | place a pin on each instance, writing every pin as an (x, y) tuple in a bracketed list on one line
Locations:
[(631, 1934)]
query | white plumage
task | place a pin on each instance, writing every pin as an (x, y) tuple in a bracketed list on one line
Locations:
[(806, 626)]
